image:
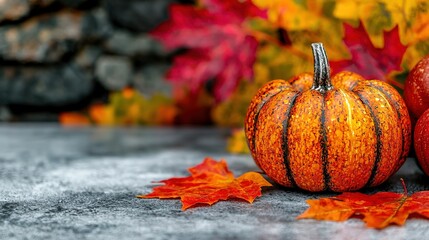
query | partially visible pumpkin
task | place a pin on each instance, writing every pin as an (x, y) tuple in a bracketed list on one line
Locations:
[(421, 141), (416, 89), (317, 135)]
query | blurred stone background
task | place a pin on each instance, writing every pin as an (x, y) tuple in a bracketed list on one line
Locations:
[(60, 55)]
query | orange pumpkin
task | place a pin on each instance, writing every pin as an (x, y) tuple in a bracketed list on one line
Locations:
[(317, 134)]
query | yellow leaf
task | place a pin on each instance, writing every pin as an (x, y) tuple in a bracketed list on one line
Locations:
[(237, 142), (414, 53), (347, 10), (291, 14), (420, 27), (306, 22), (382, 15)]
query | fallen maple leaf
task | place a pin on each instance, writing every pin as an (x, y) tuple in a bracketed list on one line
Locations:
[(378, 210), (367, 60), (210, 182), (219, 48)]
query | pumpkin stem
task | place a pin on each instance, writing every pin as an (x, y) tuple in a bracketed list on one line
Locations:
[(322, 80)]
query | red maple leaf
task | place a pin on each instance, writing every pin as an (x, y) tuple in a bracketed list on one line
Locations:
[(219, 48), (367, 60), (210, 182), (378, 210)]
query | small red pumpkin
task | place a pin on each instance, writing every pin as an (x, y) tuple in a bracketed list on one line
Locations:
[(421, 141), (315, 135)]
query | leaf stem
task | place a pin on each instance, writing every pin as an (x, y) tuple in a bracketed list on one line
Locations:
[(404, 186)]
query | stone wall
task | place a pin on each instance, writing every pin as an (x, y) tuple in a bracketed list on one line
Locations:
[(60, 55)]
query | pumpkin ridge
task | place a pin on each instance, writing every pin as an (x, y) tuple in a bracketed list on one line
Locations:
[(379, 144), (351, 144), (269, 137), (261, 96), (396, 107), (324, 145), (285, 148), (304, 136), (258, 110)]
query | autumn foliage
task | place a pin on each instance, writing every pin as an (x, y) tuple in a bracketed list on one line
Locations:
[(227, 49), (219, 47), (126, 107), (377, 211), (208, 183), (372, 62)]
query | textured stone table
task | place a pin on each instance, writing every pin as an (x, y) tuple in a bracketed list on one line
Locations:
[(80, 183)]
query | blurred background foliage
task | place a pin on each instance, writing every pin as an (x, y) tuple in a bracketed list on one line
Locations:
[(215, 54), (225, 50)]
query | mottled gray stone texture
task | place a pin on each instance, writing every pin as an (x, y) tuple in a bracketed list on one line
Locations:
[(81, 183)]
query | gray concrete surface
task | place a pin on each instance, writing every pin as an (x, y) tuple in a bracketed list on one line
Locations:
[(81, 183)]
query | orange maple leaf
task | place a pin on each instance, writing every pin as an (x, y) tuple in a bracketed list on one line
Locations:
[(378, 210), (210, 181)]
